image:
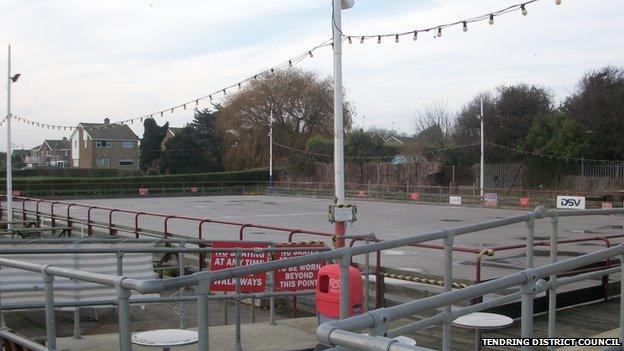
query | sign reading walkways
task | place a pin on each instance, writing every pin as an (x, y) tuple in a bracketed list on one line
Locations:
[(295, 278), (252, 283)]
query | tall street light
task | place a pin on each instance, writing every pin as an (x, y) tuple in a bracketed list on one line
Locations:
[(9, 176), (338, 6), (481, 164)]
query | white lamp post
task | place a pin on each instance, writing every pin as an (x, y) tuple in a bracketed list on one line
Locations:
[(9, 153), (339, 5), (481, 171)]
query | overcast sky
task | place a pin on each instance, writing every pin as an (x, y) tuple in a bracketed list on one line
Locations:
[(84, 60)]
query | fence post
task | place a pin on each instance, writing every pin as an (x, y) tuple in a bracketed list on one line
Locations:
[(48, 281), (123, 303), (552, 292), (344, 286), (367, 277), (238, 345), (203, 323), (448, 286), (120, 254), (528, 292), (182, 263), (529, 240), (271, 284)]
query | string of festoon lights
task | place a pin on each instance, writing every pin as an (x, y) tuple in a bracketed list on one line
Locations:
[(553, 157), (191, 103), (437, 30), (522, 7)]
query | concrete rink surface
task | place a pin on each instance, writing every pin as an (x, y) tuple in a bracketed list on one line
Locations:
[(385, 220)]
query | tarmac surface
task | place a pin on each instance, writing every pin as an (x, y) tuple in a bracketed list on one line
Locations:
[(385, 220)]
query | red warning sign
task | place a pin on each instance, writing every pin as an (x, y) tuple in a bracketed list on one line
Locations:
[(524, 201), (295, 278), (221, 260)]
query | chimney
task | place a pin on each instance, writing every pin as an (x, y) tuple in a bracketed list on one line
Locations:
[(106, 121)]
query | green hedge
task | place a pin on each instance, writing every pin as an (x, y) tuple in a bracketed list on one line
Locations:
[(32, 186)]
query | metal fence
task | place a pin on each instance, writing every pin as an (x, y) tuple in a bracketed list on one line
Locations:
[(344, 333)]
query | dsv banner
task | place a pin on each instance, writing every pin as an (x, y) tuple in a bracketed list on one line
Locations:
[(575, 202)]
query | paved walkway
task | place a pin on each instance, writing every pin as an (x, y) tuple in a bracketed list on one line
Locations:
[(287, 335)]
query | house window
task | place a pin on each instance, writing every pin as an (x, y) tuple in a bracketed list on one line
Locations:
[(102, 162), (103, 143), (126, 162), (128, 144)]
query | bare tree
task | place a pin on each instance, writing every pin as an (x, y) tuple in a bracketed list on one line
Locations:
[(433, 124)]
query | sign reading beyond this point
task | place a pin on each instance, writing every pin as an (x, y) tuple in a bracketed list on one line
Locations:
[(296, 278), (342, 213)]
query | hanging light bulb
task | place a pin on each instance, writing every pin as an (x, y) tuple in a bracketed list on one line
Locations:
[(558, 2), (310, 53), (379, 39), (239, 85), (439, 32), (197, 101), (396, 38), (171, 110), (223, 91), (524, 10), (184, 106), (491, 19), (349, 39), (465, 29), (290, 63), (415, 35), (209, 96), (362, 40)]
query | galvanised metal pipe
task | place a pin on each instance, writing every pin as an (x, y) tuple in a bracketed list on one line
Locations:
[(119, 255), (526, 319), (125, 328), (448, 286), (344, 287), (530, 238), (238, 346), (48, 281), (552, 292), (145, 300), (182, 264), (203, 322), (22, 341), (367, 343)]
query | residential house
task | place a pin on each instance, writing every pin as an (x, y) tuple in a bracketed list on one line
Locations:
[(104, 145), (170, 134), (50, 154)]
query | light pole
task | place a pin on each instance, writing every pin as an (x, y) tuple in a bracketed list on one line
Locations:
[(339, 5), (481, 172), (9, 153), (271, 152)]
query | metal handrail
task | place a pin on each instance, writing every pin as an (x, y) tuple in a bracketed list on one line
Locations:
[(377, 319)]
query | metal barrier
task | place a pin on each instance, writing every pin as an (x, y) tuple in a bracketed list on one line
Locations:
[(342, 333)]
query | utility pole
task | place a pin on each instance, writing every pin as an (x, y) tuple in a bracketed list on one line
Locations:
[(271, 152), (338, 5), (9, 174), (482, 163)]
